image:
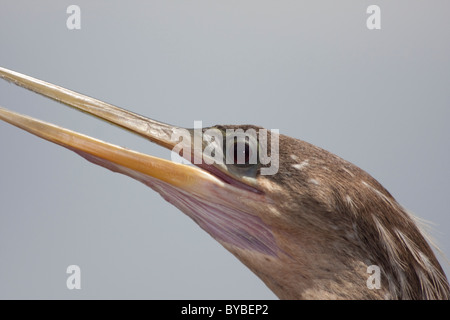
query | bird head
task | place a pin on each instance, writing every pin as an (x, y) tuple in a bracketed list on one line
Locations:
[(307, 222)]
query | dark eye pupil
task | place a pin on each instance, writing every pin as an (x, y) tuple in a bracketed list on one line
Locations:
[(246, 151)]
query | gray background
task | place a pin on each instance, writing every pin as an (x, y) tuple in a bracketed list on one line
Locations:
[(312, 69)]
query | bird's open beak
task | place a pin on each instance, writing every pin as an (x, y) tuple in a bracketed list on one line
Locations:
[(190, 179), (223, 206)]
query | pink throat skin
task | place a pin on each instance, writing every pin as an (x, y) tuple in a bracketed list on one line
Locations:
[(226, 225)]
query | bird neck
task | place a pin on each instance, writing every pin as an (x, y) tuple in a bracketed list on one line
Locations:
[(327, 267), (314, 273)]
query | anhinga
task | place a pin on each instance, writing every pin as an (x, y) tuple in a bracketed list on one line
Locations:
[(310, 231)]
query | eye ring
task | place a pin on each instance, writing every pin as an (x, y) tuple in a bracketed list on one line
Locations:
[(245, 153), (241, 149)]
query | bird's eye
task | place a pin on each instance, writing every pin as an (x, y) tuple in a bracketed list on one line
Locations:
[(241, 150)]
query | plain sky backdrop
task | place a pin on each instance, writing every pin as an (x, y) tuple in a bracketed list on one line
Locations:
[(312, 69)]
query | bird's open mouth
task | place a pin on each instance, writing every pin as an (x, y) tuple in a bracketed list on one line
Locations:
[(216, 201), (178, 175)]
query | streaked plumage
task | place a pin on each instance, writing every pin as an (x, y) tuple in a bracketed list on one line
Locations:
[(309, 232)]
